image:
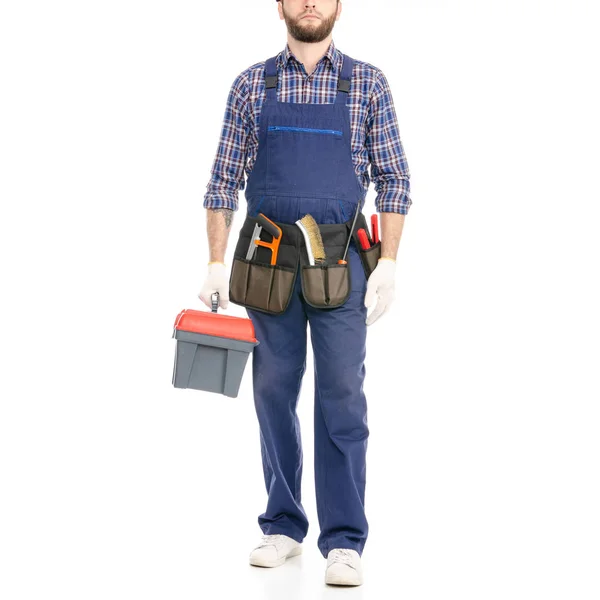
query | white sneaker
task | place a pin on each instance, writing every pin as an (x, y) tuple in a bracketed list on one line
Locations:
[(274, 549), (344, 567)]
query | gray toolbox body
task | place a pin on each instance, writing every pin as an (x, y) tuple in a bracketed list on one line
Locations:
[(212, 351)]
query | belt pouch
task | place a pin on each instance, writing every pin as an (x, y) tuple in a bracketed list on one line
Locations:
[(370, 256), (257, 284), (327, 285)]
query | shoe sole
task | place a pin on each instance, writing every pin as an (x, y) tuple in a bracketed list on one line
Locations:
[(336, 579), (331, 580), (257, 562)]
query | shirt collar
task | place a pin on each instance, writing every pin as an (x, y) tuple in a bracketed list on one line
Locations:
[(333, 55)]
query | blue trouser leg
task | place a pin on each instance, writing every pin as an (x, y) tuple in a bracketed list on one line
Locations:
[(340, 417), (278, 365)]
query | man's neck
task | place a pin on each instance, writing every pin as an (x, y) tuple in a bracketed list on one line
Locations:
[(309, 54)]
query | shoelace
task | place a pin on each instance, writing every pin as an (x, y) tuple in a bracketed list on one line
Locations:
[(270, 540), (342, 555)]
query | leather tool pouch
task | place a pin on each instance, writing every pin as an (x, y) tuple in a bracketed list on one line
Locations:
[(327, 285), (256, 283), (370, 256)]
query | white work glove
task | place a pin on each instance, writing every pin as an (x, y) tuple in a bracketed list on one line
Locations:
[(217, 280), (381, 282)]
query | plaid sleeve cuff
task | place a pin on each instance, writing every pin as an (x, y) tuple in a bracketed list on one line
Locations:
[(220, 199), (393, 200)]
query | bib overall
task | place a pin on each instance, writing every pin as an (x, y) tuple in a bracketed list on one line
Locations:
[(304, 165)]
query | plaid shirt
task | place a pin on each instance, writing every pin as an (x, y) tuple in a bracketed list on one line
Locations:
[(375, 135)]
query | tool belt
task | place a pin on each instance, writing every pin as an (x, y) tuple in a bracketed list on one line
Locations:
[(257, 284)]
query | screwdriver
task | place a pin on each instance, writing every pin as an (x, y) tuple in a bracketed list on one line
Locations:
[(343, 261)]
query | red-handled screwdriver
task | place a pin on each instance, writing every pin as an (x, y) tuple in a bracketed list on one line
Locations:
[(363, 239), (375, 227)]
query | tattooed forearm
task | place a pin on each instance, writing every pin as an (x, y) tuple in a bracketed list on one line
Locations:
[(218, 226), (227, 214)]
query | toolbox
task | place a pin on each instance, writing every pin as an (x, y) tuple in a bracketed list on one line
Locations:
[(212, 350)]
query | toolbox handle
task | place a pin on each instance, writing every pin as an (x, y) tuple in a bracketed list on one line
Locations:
[(214, 301)]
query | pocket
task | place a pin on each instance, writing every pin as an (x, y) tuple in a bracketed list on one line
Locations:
[(304, 130), (263, 287), (293, 152), (326, 286), (370, 257)]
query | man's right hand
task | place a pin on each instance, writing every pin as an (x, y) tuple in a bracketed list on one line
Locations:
[(217, 280)]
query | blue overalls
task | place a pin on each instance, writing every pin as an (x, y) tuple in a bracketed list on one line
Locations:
[(304, 165)]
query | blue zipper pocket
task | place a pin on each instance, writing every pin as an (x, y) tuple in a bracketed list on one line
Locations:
[(304, 129)]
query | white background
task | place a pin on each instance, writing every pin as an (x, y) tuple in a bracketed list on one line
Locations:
[(482, 382)]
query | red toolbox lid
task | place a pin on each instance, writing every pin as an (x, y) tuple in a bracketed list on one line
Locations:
[(212, 323)]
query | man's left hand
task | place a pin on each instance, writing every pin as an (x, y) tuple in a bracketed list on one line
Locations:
[(381, 283)]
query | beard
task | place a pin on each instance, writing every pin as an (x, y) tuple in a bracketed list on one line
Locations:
[(310, 34)]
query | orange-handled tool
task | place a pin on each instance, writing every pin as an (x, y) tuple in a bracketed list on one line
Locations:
[(275, 231)]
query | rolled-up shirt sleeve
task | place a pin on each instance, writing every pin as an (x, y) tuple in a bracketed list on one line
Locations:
[(389, 168), (227, 171)]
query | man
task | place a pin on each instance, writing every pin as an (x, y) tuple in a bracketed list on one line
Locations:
[(299, 93)]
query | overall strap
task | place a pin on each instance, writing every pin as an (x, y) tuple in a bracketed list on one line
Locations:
[(343, 86), (344, 79), (271, 78)]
